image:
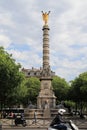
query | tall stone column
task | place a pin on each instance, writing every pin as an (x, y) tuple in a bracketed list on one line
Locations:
[(46, 98), (45, 46)]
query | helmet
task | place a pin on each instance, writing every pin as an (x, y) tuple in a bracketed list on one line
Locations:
[(61, 111)]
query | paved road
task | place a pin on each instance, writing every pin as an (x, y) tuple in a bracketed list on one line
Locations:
[(29, 129), (23, 129), (82, 124)]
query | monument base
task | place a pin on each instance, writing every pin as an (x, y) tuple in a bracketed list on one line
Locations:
[(40, 113), (46, 98)]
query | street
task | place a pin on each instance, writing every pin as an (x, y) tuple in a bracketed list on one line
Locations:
[(23, 128), (40, 124)]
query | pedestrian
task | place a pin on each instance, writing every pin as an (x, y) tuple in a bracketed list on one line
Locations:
[(12, 114), (35, 117)]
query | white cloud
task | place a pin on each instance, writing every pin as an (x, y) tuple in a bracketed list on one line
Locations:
[(21, 24), (27, 58), (5, 41), (6, 19)]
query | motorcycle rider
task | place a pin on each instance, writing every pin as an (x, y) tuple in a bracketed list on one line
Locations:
[(58, 122)]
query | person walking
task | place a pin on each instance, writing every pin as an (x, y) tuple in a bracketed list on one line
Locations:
[(35, 116)]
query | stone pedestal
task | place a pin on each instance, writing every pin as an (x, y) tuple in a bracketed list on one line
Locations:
[(46, 98)]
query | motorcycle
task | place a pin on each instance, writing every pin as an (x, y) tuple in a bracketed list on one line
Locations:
[(73, 126), (59, 124), (69, 125), (20, 120)]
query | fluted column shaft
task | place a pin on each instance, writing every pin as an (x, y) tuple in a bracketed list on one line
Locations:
[(45, 46)]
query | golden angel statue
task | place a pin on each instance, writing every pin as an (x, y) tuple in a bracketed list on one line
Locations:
[(45, 16)]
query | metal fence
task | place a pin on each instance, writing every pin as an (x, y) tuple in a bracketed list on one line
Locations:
[(40, 123), (31, 122)]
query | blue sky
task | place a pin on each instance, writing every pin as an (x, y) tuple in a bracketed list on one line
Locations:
[(21, 34)]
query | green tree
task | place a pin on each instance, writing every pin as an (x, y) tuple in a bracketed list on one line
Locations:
[(33, 87), (60, 87), (10, 77), (20, 94), (78, 90), (83, 87)]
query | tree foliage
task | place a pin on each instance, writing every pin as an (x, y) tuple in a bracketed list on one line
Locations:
[(28, 91), (10, 77), (60, 87), (33, 86), (78, 91), (79, 88)]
